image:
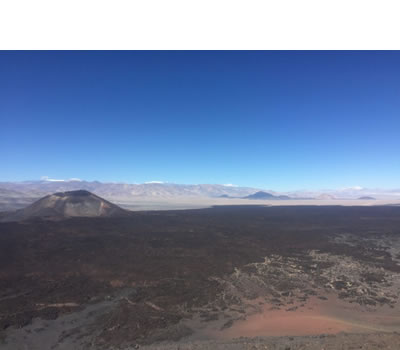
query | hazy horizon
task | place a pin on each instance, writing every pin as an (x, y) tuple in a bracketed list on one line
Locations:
[(158, 182)]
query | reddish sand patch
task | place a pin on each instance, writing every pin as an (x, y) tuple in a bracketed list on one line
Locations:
[(316, 317), (279, 323)]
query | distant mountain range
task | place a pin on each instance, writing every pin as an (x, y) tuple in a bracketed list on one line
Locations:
[(123, 190), (15, 195)]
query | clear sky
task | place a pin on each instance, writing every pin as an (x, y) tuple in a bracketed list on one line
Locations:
[(277, 120)]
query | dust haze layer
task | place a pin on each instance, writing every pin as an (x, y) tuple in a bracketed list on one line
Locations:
[(160, 196)]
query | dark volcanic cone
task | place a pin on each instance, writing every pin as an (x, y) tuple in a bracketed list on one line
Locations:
[(265, 195), (68, 204)]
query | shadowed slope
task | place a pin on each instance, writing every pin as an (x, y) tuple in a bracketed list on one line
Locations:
[(68, 204)]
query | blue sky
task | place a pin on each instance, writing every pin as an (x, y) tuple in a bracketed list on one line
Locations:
[(279, 120)]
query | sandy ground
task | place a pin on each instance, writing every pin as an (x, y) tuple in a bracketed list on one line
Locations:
[(329, 323), (178, 203), (320, 324), (341, 341), (197, 203), (316, 317)]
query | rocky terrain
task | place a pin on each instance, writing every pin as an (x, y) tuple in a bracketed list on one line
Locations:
[(226, 277)]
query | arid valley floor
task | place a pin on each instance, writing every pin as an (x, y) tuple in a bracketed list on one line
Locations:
[(228, 277)]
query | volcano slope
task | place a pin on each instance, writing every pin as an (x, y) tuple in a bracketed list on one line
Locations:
[(283, 277), (62, 205)]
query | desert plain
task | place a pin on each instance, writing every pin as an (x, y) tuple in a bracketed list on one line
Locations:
[(225, 277)]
